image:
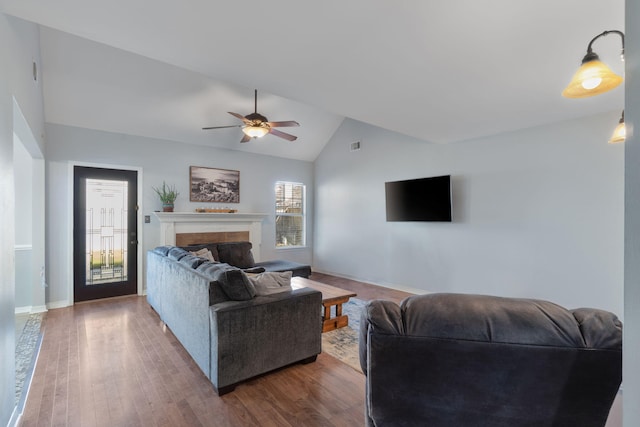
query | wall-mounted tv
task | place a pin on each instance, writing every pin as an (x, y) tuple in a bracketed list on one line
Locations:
[(423, 199)]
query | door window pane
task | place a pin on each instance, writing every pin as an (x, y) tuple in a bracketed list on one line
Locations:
[(106, 235)]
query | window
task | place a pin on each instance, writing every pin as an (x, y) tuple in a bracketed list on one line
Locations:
[(290, 213)]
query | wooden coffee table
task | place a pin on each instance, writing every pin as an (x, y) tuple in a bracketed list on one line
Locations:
[(330, 296)]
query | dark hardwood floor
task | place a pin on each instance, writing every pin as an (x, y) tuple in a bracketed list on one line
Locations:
[(111, 363), (365, 291)]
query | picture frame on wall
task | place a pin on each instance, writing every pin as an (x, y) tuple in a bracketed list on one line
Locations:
[(212, 185)]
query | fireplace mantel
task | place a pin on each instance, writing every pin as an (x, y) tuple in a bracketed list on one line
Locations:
[(172, 223)]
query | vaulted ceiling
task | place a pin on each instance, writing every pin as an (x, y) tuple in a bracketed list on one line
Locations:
[(438, 71)]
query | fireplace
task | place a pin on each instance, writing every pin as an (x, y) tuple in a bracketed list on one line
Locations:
[(186, 226)]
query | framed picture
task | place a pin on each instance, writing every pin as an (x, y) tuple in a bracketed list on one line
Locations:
[(214, 185)]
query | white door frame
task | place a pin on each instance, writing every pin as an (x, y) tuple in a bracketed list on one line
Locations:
[(140, 219)]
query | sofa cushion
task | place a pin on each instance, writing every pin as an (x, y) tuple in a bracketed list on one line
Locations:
[(192, 261), (237, 254), (212, 247), (233, 281), (298, 269), (176, 253), (271, 282), (163, 250), (490, 319)]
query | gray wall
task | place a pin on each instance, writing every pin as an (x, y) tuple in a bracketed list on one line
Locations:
[(631, 367), (18, 49), (160, 160), (23, 176), (537, 213)]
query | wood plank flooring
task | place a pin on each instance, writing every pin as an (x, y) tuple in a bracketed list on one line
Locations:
[(111, 363)]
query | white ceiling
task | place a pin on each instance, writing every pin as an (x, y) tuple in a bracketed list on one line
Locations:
[(439, 71)]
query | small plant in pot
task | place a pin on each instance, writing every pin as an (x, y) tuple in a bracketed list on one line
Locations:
[(168, 195)]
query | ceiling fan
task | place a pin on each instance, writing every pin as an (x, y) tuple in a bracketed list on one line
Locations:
[(256, 125)]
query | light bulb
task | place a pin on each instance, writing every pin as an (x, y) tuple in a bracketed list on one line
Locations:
[(591, 83)]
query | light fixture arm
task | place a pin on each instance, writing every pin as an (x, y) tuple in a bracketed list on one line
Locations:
[(591, 55)]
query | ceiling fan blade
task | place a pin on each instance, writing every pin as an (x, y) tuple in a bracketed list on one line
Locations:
[(286, 136), (238, 116), (285, 124), (222, 127), (245, 138)]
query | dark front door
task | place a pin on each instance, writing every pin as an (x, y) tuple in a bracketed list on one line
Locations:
[(104, 233)]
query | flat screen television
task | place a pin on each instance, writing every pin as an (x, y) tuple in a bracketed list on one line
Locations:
[(423, 199)]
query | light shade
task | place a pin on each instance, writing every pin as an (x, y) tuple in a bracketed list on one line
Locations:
[(255, 131), (592, 78), (619, 133)]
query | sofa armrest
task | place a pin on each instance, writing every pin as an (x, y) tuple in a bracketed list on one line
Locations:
[(249, 338), (381, 316), (182, 295)]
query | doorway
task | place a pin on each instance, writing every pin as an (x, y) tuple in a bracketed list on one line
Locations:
[(104, 233)]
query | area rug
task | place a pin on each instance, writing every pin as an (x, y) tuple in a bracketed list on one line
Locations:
[(27, 346), (343, 342)]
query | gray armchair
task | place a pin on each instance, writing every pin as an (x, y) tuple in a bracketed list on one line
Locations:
[(443, 360)]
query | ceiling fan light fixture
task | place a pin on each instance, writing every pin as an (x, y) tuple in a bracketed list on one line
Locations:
[(619, 133), (594, 76), (255, 131)]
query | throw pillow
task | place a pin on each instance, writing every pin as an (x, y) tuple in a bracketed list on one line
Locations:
[(271, 282), (213, 248), (204, 253), (234, 283)]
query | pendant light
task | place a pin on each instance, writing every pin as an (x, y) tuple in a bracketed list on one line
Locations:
[(620, 132), (593, 77)]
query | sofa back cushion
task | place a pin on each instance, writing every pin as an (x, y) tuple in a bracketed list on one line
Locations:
[(504, 320), (176, 253), (212, 247), (163, 250), (234, 283), (192, 261), (237, 254)]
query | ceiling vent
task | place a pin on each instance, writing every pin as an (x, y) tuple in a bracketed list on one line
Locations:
[(355, 146)]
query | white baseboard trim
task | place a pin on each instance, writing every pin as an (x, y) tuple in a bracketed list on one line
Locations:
[(385, 285), (23, 310), (31, 309), (38, 309), (58, 304), (15, 417)]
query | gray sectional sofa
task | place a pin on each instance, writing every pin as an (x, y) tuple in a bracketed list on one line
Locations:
[(230, 332)]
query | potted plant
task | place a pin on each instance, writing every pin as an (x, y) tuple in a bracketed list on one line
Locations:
[(168, 195)]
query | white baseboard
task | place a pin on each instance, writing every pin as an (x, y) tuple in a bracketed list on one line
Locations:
[(58, 304), (38, 309), (23, 310), (15, 417), (31, 309), (385, 285)]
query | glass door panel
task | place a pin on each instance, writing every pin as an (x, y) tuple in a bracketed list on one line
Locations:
[(105, 233)]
